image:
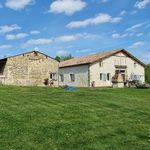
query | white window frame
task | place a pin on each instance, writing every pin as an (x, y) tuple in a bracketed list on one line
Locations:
[(53, 76), (104, 76), (108, 76), (61, 77)]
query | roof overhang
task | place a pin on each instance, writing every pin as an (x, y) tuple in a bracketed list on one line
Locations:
[(112, 53), (75, 65)]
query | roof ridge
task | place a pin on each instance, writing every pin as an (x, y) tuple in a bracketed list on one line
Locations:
[(37, 51), (100, 53)]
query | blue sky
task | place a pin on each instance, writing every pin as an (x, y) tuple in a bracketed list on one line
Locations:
[(77, 27)]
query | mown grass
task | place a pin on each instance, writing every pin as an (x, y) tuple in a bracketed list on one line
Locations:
[(33, 118)]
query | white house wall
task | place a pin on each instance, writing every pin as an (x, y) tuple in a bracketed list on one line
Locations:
[(81, 76), (108, 66)]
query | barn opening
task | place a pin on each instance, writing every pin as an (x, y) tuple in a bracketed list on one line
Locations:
[(2, 66)]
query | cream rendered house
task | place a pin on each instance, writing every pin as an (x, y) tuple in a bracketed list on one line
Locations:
[(112, 68)]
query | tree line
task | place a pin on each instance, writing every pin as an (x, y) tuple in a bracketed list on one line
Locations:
[(63, 58)]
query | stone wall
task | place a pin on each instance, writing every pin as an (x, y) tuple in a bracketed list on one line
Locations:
[(30, 69)]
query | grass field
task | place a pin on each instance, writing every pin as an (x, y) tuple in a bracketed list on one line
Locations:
[(34, 118)]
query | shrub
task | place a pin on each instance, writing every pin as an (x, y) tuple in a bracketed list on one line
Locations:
[(147, 73)]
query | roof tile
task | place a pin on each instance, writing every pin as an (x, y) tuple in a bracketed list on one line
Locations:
[(93, 58)]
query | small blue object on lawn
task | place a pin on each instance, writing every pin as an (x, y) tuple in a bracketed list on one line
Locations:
[(71, 88)]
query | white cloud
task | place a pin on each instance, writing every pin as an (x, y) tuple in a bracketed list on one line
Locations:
[(66, 38), (7, 28), (134, 27), (148, 25), (115, 19), (133, 12), (99, 19), (83, 50), (123, 13), (129, 32), (63, 38), (18, 4), (89, 36), (5, 46), (37, 42), (104, 1), (141, 4), (16, 36), (35, 32), (146, 57), (67, 7), (118, 36), (1, 6), (136, 45), (36, 49), (62, 52), (73, 37), (139, 34)]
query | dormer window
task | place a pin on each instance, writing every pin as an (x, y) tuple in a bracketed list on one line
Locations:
[(100, 63), (135, 64)]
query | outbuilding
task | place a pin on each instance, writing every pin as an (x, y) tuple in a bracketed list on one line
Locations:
[(29, 69)]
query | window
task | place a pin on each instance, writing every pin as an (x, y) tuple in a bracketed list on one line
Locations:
[(72, 77), (135, 64), (1, 70), (108, 76), (120, 71), (100, 63), (103, 76), (137, 77), (61, 77), (2, 66), (53, 76)]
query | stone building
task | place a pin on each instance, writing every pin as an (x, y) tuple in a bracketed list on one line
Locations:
[(112, 68), (29, 69)]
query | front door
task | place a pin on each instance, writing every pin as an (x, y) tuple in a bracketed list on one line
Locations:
[(121, 75)]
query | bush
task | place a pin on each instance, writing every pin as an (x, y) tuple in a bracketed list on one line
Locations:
[(147, 73)]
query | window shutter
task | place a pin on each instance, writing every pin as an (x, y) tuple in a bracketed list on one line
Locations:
[(101, 76), (61, 77), (72, 77)]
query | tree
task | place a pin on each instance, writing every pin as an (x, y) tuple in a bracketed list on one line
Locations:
[(147, 73), (63, 58), (58, 58)]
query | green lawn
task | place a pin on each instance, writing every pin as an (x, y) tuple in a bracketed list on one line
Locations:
[(33, 118)]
